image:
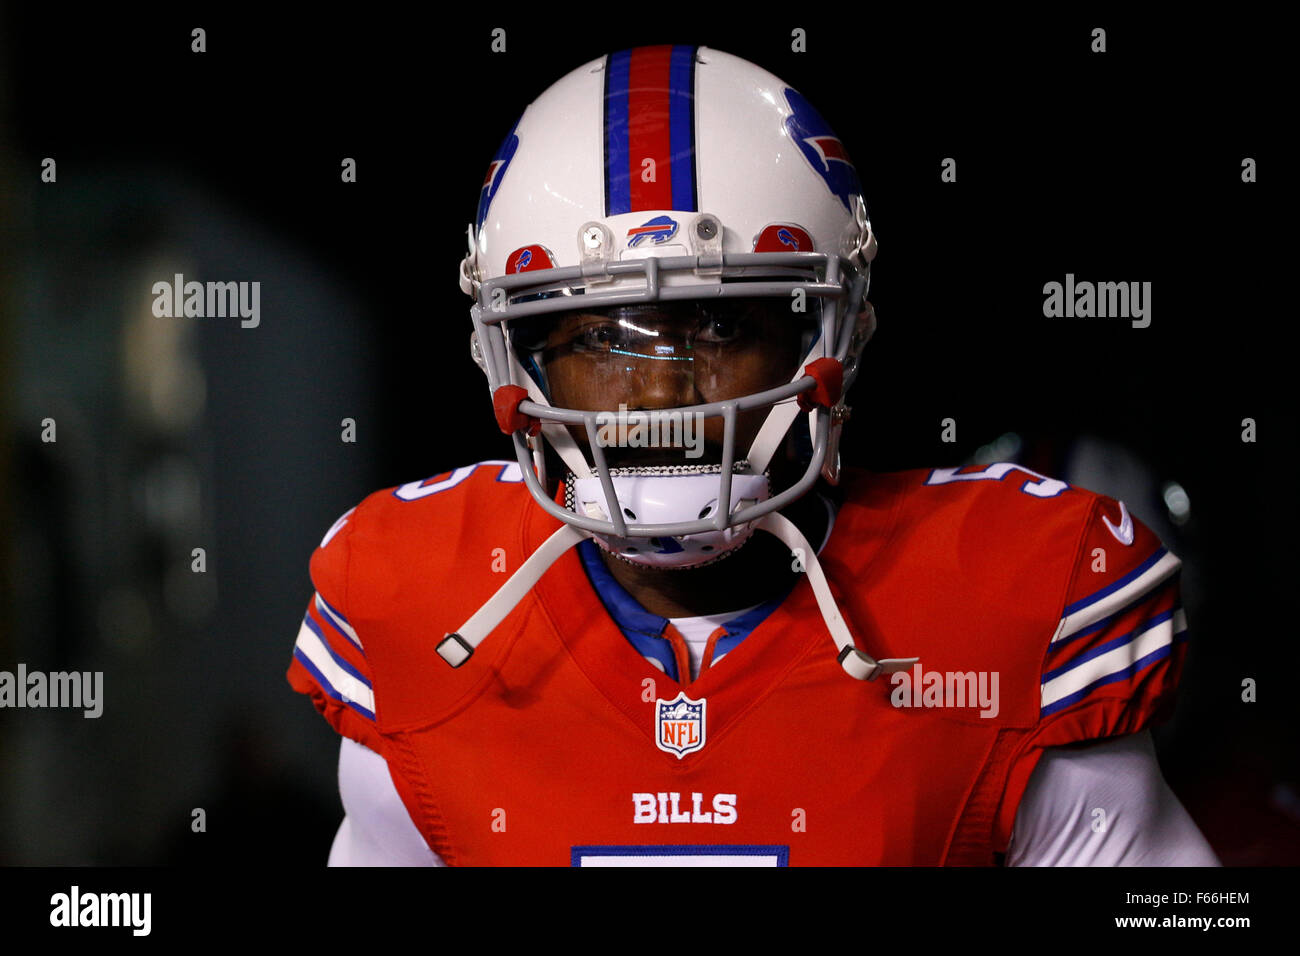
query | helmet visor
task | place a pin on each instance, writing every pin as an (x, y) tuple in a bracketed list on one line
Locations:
[(661, 356)]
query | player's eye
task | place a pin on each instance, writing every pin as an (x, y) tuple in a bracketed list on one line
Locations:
[(721, 330), (597, 337)]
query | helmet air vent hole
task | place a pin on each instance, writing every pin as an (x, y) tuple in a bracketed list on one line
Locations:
[(707, 547), (704, 513), (627, 512)]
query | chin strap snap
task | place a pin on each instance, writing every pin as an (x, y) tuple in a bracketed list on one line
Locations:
[(856, 663)]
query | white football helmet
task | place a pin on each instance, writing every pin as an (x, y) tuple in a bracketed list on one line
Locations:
[(657, 175)]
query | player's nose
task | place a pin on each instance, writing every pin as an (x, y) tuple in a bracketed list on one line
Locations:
[(663, 380)]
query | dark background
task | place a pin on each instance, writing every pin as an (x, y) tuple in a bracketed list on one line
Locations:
[(176, 434)]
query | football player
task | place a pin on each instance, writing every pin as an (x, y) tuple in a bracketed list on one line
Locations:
[(671, 630)]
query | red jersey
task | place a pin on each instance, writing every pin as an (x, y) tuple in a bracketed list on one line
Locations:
[(1042, 615)]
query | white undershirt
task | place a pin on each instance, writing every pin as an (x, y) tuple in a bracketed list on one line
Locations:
[(696, 631), (1104, 805)]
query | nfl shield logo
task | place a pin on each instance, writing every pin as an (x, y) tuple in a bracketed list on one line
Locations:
[(679, 725)]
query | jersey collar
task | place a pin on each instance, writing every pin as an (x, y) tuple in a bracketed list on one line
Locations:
[(645, 631)]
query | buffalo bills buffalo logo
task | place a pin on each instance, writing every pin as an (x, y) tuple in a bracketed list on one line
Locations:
[(496, 172), (821, 147), (783, 237), (529, 259), (657, 230)]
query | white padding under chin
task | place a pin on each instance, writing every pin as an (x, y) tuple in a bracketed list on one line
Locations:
[(670, 499)]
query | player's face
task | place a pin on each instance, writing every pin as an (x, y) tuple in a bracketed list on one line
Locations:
[(669, 355)]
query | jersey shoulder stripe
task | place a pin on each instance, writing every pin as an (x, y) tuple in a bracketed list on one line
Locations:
[(332, 672), (1112, 599), (1122, 614), (338, 622), (1121, 658)]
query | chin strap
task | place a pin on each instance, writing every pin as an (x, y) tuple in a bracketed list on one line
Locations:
[(456, 647), (554, 432), (828, 373), (856, 663)]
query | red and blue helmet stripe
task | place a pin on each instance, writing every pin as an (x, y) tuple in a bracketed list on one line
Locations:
[(650, 114)]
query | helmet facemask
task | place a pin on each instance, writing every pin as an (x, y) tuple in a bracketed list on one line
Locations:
[(672, 389)]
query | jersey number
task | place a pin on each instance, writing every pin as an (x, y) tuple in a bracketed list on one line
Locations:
[(1044, 487)]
